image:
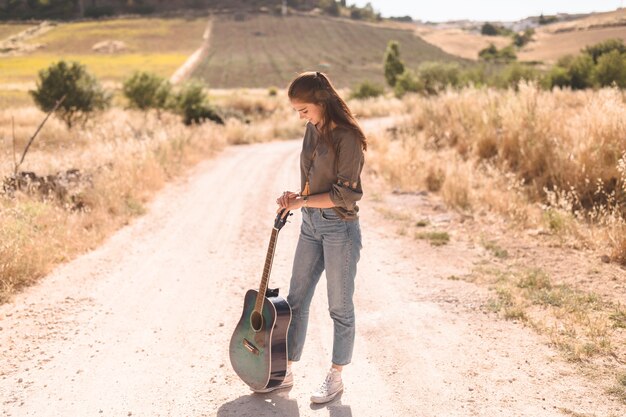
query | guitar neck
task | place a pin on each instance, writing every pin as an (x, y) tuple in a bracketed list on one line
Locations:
[(258, 306)]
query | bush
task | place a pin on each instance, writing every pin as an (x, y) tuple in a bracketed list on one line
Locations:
[(95, 12), (491, 53), (521, 39), (192, 104), (146, 91), (83, 93), (436, 76), (546, 20), (581, 72), (367, 89), (407, 82), (611, 69), (599, 49), (557, 77), (272, 91), (489, 29), (515, 73), (330, 7), (142, 9), (393, 64)]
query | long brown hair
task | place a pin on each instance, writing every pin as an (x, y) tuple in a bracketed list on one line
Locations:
[(316, 88)]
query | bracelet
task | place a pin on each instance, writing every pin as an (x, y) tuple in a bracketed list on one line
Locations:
[(305, 199)]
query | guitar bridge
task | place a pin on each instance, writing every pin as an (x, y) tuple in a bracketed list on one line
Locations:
[(250, 347), (271, 292)]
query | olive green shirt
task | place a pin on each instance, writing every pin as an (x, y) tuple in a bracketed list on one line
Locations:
[(335, 171)]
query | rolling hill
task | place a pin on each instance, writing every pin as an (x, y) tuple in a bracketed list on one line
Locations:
[(266, 50), (550, 41), (558, 39)]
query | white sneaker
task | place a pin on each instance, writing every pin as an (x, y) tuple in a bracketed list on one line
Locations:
[(329, 389), (287, 383)]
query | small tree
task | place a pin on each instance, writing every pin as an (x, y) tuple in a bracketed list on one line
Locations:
[(146, 91), (393, 65), (611, 69), (489, 29), (192, 104), (83, 94)]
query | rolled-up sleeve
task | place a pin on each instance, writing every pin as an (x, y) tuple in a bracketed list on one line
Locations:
[(346, 191)]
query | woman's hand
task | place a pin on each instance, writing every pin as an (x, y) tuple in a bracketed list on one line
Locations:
[(288, 200)]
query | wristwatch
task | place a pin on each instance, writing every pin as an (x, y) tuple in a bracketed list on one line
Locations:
[(305, 199)]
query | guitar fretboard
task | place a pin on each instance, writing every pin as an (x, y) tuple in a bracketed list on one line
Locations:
[(258, 306)]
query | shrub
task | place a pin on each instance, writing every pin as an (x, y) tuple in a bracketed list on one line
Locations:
[(272, 91), (393, 65), (83, 94), (557, 77), (521, 39), (436, 76), (492, 53), (192, 103), (146, 91), (611, 68), (95, 12), (330, 7), (546, 20), (515, 73), (367, 89), (407, 82), (581, 72), (489, 29), (599, 49)]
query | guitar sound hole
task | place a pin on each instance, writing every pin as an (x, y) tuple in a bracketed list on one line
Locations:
[(256, 321)]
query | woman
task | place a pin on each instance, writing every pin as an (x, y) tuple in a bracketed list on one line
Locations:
[(330, 238)]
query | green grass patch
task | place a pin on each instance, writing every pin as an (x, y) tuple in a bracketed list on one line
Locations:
[(435, 238)]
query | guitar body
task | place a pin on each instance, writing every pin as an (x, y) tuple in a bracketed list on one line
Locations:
[(258, 347)]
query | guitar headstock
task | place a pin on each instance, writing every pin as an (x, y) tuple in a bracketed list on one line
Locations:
[(281, 219)]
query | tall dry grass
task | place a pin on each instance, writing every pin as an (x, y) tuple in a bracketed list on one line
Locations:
[(509, 150), (124, 157)]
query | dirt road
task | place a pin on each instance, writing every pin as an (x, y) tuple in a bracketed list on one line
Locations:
[(141, 325)]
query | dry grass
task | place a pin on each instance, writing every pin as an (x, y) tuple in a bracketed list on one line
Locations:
[(506, 150), (126, 157), (578, 323), (460, 42), (9, 29), (141, 35), (550, 168), (548, 46)]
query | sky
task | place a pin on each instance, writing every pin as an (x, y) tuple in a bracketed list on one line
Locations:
[(502, 10)]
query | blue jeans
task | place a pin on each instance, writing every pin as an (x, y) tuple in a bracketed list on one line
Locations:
[(326, 243)]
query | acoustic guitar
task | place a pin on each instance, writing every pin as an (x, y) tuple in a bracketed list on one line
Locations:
[(258, 347)]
